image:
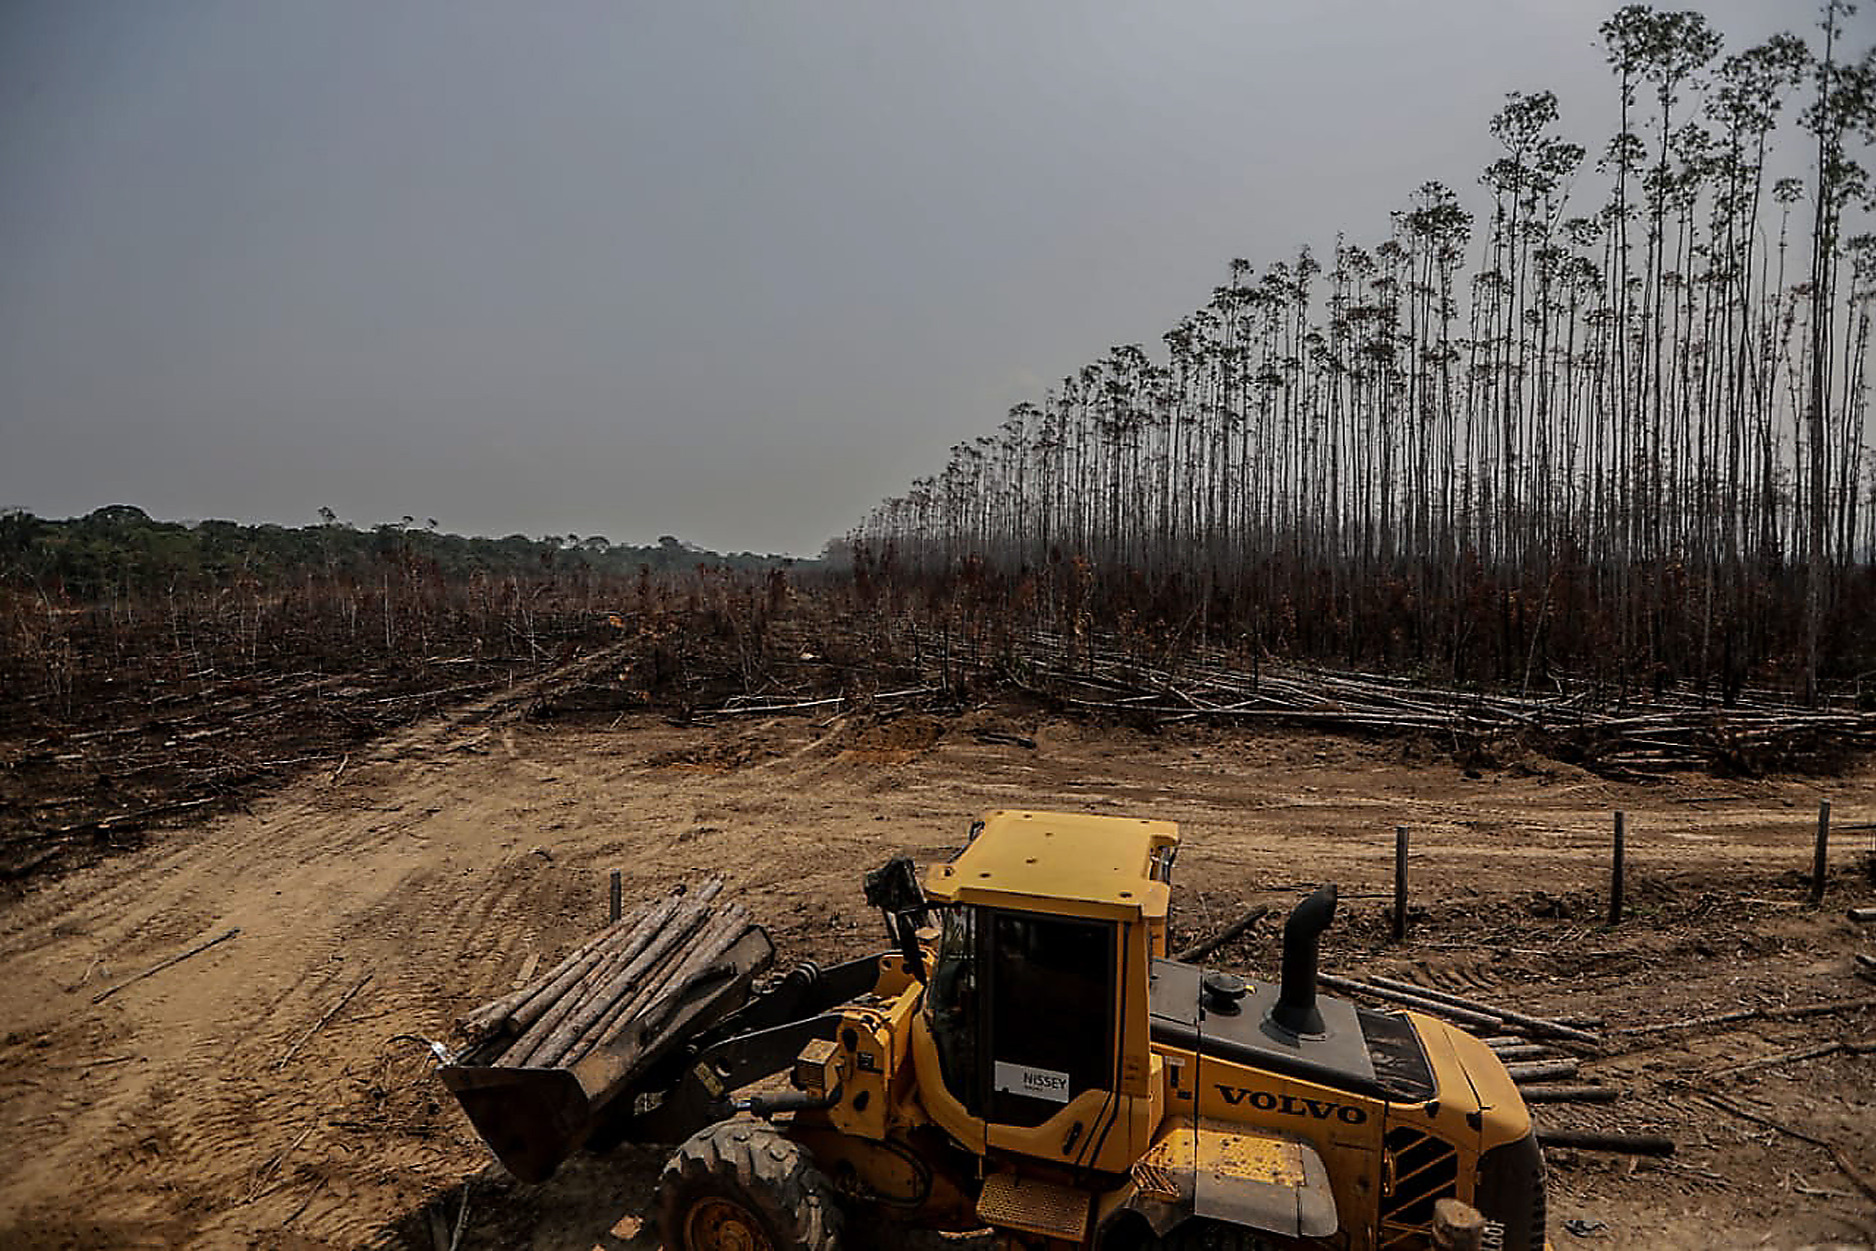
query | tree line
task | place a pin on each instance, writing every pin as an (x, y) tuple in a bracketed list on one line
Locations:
[(119, 552), (1610, 417)]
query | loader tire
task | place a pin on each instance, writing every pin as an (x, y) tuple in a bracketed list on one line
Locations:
[(741, 1186), (1200, 1234)]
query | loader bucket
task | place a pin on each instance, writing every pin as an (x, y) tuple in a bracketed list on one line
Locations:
[(534, 1118)]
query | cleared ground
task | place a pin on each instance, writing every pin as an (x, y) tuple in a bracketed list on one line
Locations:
[(451, 855)]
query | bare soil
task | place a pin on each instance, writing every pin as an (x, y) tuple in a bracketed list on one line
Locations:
[(445, 859)]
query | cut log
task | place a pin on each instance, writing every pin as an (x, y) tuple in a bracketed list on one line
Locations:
[(567, 1001), (1531, 1024), (1432, 1007), (1596, 1140), (623, 981), (1569, 1094), (1458, 1226), (647, 1009), (708, 944), (1541, 1070), (497, 1016), (636, 924), (623, 1009), (684, 922), (1525, 1051)]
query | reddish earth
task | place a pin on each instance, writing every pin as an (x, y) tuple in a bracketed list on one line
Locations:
[(444, 859)]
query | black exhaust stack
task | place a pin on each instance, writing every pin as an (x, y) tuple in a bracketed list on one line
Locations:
[(1295, 1013)]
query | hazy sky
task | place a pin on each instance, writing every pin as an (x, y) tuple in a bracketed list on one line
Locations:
[(727, 271)]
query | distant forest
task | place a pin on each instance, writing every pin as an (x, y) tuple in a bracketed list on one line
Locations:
[(1606, 415), (115, 601), (120, 552)]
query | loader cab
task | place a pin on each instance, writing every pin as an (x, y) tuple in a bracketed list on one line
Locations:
[(1036, 1007)]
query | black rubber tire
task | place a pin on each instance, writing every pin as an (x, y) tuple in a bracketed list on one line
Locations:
[(771, 1183), (1199, 1234)]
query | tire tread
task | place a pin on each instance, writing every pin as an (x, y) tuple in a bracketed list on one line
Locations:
[(753, 1163)]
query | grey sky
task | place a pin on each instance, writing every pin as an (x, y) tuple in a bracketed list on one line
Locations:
[(728, 271)]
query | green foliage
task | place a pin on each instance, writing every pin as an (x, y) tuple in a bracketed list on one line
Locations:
[(121, 551)]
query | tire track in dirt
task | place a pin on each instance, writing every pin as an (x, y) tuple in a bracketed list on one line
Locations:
[(322, 887)]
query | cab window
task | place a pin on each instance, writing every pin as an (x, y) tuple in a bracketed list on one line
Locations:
[(1051, 1013)]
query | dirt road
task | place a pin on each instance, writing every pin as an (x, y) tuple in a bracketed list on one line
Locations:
[(453, 856)]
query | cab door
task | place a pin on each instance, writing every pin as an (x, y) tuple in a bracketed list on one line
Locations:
[(1048, 1032)]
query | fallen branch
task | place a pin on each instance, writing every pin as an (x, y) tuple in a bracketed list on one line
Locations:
[(142, 814), (331, 1012), (1841, 1046), (273, 1166), (462, 1216), (1753, 1014), (102, 995), (1199, 950), (1831, 1149)]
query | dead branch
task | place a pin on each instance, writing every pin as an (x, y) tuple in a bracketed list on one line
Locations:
[(1841, 1046), (1199, 950), (1831, 1149), (1753, 1014), (331, 1012), (199, 948)]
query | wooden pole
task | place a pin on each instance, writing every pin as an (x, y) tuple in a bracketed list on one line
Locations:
[(618, 897), (1617, 879), (1820, 852), (1400, 883)]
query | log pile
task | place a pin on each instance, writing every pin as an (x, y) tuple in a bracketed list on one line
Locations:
[(1531, 1049), (631, 971), (1670, 732)]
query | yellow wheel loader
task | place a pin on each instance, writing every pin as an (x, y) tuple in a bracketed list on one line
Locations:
[(1027, 1059)]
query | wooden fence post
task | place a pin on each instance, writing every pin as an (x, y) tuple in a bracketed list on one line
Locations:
[(1400, 883), (618, 896), (1820, 853), (1617, 879)]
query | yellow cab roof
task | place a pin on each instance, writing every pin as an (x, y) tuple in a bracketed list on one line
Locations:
[(1093, 866)]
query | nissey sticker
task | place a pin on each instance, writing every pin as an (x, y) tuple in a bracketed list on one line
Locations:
[(1020, 1079)]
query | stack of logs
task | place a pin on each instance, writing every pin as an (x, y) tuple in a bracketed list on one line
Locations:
[(1531, 1049), (630, 971)]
